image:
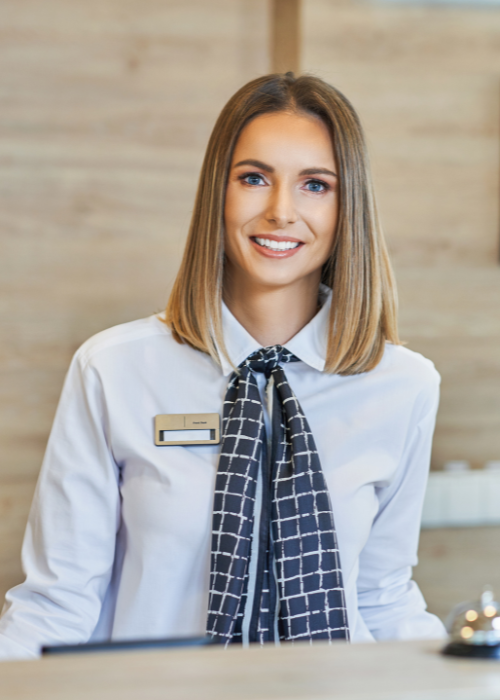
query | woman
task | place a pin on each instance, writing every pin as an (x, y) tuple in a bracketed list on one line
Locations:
[(303, 522)]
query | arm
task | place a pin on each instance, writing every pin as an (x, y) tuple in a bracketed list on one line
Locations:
[(69, 545), (389, 601)]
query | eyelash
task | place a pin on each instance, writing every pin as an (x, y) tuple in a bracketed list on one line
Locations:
[(324, 184), (247, 175)]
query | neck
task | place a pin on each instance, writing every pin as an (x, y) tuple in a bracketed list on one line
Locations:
[(272, 315)]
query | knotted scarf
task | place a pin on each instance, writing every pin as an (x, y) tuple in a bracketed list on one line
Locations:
[(295, 591)]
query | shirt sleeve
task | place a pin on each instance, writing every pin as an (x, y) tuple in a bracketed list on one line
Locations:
[(69, 545), (390, 603)]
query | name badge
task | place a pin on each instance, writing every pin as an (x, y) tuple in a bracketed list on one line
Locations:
[(187, 429)]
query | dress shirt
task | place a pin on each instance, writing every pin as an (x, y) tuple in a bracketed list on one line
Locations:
[(118, 540)]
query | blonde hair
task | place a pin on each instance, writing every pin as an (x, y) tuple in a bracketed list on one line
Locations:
[(364, 300)]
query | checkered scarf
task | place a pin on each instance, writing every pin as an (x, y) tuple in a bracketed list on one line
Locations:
[(297, 590)]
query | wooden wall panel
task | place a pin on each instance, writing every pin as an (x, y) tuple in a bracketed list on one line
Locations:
[(105, 111), (15, 499), (455, 564), (285, 35), (426, 82)]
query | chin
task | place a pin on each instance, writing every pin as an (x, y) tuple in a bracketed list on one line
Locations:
[(276, 281), (279, 274)]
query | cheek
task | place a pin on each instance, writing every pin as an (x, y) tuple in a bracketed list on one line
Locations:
[(242, 208)]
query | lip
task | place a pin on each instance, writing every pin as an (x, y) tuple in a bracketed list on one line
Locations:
[(268, 253)]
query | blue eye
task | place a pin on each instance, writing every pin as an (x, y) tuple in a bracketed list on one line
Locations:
[(316, 186), (253, 179)]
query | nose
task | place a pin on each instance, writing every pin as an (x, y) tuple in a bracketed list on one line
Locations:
[(281, 210)]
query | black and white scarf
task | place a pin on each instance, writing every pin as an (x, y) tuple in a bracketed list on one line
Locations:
[(298, 592)]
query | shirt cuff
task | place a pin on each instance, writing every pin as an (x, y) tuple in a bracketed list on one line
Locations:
[(13, 651)]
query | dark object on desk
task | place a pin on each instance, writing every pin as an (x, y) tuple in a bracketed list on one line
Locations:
[(475, 629), (472, 651), (128, 645)]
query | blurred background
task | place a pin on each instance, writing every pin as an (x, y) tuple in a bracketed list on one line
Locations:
[(105, 110)]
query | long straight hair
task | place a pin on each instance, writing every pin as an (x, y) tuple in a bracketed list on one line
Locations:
[(363, 313)]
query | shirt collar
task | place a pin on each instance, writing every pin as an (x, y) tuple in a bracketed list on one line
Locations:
[(309, 345)]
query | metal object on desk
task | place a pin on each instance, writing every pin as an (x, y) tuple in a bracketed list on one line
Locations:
[(474, 629)]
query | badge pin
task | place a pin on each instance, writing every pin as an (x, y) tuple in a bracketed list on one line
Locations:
[(187, 429)]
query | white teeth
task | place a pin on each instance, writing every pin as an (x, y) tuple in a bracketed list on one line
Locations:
[(276, 245)]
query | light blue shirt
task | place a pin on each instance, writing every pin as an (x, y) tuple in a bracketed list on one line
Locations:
[(118, 541)]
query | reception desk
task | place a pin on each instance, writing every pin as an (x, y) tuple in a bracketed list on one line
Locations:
[(384, 671)]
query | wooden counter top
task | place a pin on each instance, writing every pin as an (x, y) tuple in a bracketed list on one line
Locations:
[(384, 671)]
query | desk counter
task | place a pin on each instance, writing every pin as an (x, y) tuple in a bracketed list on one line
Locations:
[(384, 671)]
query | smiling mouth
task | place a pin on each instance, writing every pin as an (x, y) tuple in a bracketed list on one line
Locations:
[(276, 245)]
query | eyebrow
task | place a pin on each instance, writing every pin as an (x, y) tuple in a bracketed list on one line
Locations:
[(269, 168), (317, 171), (257, 164)]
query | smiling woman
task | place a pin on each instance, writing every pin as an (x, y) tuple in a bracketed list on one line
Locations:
[(299, 519)]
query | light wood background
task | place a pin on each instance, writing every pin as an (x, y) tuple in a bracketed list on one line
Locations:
[(105, 110), (456, 564), (285, 36)]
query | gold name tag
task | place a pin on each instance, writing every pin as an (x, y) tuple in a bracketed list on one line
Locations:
[(187, 429)]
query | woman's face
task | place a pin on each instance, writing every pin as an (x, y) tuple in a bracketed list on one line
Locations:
[(281, 201)]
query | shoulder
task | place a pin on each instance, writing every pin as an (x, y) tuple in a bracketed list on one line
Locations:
[(408, 379), (128, 339), (407, 364)]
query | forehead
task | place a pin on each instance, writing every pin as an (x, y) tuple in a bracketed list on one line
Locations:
[(283, 135)]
